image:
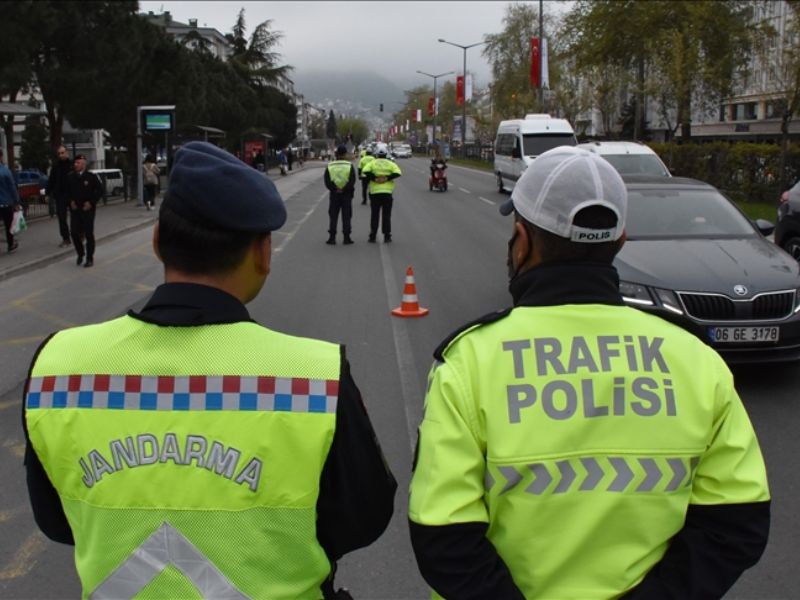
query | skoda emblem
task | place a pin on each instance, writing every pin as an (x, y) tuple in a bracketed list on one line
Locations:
[(739, 290)]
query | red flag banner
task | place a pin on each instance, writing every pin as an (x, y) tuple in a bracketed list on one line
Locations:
[(430, 106), (413, 115), (535, 74), (460, 89)]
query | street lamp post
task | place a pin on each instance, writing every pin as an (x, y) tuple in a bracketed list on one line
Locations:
[(435, 112), (464, 104)]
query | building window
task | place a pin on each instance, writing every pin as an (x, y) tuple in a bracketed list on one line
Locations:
[(722, 110), (750, 110)]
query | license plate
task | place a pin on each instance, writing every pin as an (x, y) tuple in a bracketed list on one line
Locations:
[(738, 335)]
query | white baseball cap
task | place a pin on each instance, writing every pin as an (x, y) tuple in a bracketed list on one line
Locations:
[(561, 182)]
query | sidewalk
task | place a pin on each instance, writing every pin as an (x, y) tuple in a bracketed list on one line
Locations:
[(38, 245)]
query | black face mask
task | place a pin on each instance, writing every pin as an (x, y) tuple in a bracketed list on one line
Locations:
[(512, 272)]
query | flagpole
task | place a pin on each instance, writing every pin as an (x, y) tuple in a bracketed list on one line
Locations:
[(463, 104), (541, 47)]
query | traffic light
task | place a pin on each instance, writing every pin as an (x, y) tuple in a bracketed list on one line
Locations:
[(380, 107)]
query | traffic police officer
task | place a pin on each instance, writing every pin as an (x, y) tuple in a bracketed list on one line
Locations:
[(340, 179), (381, 174), (196, 453), (574, 447), (366, 158)]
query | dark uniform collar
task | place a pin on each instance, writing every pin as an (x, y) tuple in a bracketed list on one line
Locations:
[(557, 283), (191, 304)]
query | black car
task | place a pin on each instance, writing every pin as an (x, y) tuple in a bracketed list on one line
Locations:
[(787, 232), (693, 258)]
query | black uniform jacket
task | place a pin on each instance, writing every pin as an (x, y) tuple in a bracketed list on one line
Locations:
[(357, 489), (717, 542), (82, 187)]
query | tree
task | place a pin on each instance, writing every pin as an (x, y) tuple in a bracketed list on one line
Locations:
[(256, 59), (330, 126), (683, 52), (35, 150), (356, 128), (627, 121), (510, 56)]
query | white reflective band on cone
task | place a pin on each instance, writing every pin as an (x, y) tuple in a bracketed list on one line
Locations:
[(166, 546)]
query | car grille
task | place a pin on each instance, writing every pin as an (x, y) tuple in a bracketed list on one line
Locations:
[(716, 307)]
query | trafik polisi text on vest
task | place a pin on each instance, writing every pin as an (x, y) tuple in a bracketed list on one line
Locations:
[(643, 386)]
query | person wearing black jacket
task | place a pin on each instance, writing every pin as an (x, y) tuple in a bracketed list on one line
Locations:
[(216, 258), (85, 190), (340, 180), (573, 446), (58, 189)]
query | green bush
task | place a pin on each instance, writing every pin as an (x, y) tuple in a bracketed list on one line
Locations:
[(746, 171)]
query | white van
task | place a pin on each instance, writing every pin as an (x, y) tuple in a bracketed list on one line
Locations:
[(519, 141), (112, 180)]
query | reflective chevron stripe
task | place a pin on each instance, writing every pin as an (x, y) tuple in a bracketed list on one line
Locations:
[(620, 473), (166, 547)]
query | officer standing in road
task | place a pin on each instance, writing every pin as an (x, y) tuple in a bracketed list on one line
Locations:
[(340, 179), (85, 190), (574, 447), (185, 448), (381, 174), (366, 158)]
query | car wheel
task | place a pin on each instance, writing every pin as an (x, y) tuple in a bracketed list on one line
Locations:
[(792, 246), (500, 187)]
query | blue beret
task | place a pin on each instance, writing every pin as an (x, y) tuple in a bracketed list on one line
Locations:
[(210, 186)]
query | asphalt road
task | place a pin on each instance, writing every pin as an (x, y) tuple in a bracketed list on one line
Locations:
[(456, 243)]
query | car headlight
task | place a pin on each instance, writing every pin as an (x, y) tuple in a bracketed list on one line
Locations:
[(642, 295)]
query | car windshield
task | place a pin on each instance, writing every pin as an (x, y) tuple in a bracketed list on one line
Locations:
[(637, 164), (535, 144), (666, 212)]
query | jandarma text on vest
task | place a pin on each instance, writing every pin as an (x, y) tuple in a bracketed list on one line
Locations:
[(146, 449), (560, 398)]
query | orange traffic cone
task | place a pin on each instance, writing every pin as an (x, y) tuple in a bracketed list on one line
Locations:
[(410, 307)]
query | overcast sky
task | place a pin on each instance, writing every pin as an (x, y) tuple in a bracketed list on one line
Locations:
[(393, 38)]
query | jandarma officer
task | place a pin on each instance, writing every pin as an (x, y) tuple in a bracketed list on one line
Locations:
[(189, 450), (573, 447)]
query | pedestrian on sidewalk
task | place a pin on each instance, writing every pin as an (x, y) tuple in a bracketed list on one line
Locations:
[(340, 179), (150, 173), (9, 202), (57, 188), (85, 190)]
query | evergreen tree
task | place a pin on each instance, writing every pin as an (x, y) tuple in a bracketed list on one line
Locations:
[(330, 126)]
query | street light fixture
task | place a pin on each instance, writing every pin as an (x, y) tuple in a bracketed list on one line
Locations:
[(435, 112), (464, 104)]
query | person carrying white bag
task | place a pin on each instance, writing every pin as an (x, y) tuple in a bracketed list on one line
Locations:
[(9, 203)]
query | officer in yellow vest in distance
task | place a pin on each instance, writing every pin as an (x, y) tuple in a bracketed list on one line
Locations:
[(572, 446), (189, 452), (381, 174), (366, 158), (340, 180)]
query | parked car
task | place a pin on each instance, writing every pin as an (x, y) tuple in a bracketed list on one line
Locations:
[(693, 258), (30, 184), (629, 158), (787, 231)]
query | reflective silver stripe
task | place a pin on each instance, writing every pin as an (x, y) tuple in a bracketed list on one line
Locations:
[(593, 474), (542, 480), (567, 476), (653, 475), (488, 480), (512, 477), (624, 474), (166, 546), (679, 472)]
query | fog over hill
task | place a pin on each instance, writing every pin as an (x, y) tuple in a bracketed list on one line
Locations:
[(349, 92)]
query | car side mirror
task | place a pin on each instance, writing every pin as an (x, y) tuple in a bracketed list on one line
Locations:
[(764, 226)]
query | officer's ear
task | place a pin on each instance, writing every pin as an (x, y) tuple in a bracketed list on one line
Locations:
[(262, 253), (155, 243)]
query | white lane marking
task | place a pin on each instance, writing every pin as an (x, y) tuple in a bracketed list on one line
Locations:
[(465, 191), (492, 202), (409, 377), (290, 234)]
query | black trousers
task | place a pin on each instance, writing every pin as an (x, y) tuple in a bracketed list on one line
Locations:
[(62, 204), (380, 211), (364, 186), (7, 214), (340, 203), (82, 225)]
